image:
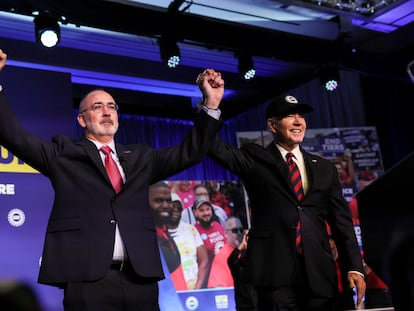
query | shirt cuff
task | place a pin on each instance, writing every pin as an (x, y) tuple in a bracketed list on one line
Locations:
[(215, 113), (361, 274)]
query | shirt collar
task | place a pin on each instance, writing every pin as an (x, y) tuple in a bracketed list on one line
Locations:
[(296, 152), (100, 145)]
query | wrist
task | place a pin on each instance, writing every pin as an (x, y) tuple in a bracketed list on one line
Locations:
[(211, 108), (210, 103)]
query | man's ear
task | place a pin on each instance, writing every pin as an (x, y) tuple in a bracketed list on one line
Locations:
[(271, 125), (81, 120)]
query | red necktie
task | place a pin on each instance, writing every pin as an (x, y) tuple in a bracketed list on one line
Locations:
[(112, 169), (296, 181), (294, 175)]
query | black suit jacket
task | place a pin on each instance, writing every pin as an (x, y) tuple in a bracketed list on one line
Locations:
[(275, 211), (80, 232), (244, 293)]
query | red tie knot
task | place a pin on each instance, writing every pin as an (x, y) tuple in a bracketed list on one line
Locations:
[(289, 155), (106, 149)]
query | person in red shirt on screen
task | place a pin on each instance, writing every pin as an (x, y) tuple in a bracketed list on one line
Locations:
[(220, 274), (211, 231), (184, 189)]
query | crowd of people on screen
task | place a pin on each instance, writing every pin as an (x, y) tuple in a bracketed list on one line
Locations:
[(199, 223)]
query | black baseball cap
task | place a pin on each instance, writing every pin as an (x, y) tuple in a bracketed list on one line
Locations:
[(200, 201), (284, 105)]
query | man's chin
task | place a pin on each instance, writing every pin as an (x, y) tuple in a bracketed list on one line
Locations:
[(174, 221), (205, 224), (108, 129), (105, 133)]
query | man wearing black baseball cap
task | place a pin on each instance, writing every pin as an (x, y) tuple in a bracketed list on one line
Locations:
[(285, 105), (293, 195)]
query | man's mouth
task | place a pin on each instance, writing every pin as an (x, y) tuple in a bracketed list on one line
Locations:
[(107, 122), (164, 214)]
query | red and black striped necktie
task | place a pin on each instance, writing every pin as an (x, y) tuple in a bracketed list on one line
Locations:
[(296, 181), (294, 175)]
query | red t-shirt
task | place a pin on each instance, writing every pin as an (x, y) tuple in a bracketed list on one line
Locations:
[(220, 274), (213, 238)]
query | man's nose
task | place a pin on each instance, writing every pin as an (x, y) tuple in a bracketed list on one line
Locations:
[(298, 121), (166, 203), (105, 109)]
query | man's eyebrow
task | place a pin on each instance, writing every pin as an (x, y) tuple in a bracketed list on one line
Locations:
[(101, 102)]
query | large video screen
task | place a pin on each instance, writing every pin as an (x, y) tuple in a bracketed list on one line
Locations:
[(204, 221)]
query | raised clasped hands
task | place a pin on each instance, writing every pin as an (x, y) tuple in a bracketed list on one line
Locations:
[(3, 58), (211, 85)]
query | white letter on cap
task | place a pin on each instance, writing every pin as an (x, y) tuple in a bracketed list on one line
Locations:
[(291, 99)]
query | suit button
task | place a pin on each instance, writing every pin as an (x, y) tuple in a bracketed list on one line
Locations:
[(112, 221)]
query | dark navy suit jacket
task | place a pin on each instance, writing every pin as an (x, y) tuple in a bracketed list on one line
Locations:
[(275, 211), (80, 233)]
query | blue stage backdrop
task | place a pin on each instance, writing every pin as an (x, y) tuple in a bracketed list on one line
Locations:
[(43, 102)]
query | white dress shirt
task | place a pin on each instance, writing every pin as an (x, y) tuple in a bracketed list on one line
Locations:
[(298, 158), (119, 253)]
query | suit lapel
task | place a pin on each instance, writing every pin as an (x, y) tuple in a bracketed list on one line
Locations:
[(311, 163), (124, 159), (94, 155), (279, 165)]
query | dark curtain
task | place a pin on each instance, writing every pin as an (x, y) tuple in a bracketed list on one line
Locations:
[(388, 107), (341, 108)]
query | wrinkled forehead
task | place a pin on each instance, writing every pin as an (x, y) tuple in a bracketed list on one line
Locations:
[(97, 96)]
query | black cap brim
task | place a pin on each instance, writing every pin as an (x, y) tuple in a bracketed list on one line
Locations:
[(284, 105)]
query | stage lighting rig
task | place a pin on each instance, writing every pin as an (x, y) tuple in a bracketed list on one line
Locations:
[(246, 66), (170, 52), (47, 30), (329, 77)]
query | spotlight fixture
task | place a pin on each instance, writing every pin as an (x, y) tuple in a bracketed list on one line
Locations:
[(170, 53), (47, 30), (329, 77), (246, 66)]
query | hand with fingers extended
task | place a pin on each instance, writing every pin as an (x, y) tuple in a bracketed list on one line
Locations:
[(211, 85)]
